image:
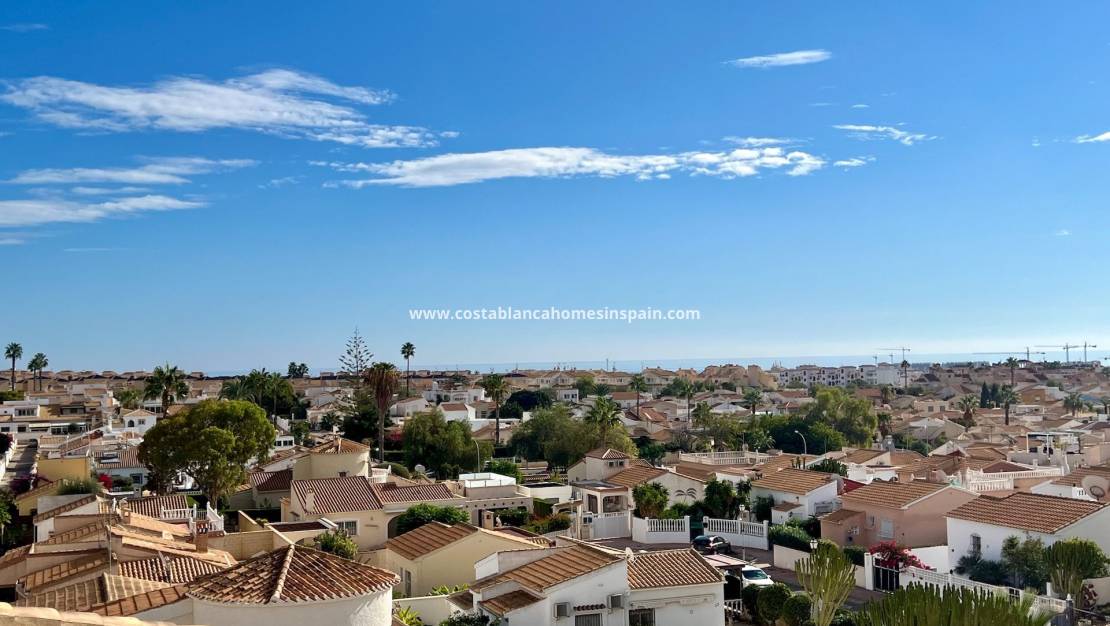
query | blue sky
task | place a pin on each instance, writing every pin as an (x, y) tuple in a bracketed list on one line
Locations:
[(228, 187)]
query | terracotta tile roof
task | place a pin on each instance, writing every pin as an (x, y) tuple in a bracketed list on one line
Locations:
[(340, 445), (860, 457), (635, 475), (297, 526), (561, 565), (59, 573), (14, 555), (607, 454), (428, 538), (152, 506), (292, 574), (509, 602), (786, 506), (68, 506), (1075, 479), (89, 532), (271, 481), (840, 515), (390, 493), (127, 457), (45, 487), (796, 481), (671, 568), (76, 597), (1027, 511), (890, 494), (336, 495), (140, 602), (149, 525), (1004, 466), (181, 569)]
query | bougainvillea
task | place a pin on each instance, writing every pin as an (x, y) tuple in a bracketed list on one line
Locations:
[(890, 554)]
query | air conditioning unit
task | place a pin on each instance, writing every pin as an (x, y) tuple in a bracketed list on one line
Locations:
[(616, 601), (562, 609)]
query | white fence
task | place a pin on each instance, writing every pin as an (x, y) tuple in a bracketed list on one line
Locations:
[(732, 457), (661, 530), (738, 533), (916, 575), (606, 525)]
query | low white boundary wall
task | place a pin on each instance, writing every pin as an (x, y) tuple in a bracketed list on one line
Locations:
[(651, 530)]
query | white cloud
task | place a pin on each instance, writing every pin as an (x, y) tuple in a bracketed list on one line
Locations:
[(11, 241), (869, 132), (1093, 138), (822, 104), (45, 211), (80, 250), (24, 28), (156, 171), (106, 191), (274, 183), (782, 59), (279, 102), (861, 106), (759, 142), (566, 162), (854, 161), (1063, 232)]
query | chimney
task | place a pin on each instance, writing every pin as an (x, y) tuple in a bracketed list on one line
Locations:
[(200, 536), (310, 501)]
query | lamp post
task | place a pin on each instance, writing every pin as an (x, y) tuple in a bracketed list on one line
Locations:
[(805, 446), (478, 450)]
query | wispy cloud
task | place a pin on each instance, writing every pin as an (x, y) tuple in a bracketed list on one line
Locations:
[(1093, 138), (861, 105), (869, 132), (23, 28), (106, 191), (854, 161), (782, 59), (284, 181), (89, 250), (11, 241), (567, 162), (1063, 232), (156, 171), (35, 212), (759, 142), (278, 102)]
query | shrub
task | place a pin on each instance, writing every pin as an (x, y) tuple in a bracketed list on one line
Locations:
[(337, 543), (398, 469), (85, 485), (749, 597), (796, 609), (811, 525), (422, 514), (549, 524), (843, 617), (770, 602), (762, 508), (790, 537), (855, 554), (122, 483), (514, 517)]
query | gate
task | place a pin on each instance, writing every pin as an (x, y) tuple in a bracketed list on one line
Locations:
[(887, 579)]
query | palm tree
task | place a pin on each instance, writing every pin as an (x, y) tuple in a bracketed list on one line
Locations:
[(684, 389), (129, 397), (1012, 363), (168, 383), (752, 399), (36, 365), (497, 388), (407, 351), (382, 380), (1105, 401), (14, 351), (1006, 397), (1073, 403), (968, 404), (606, 415), (638, 384)]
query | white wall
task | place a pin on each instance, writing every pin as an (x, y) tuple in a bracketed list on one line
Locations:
[(372, 610), (696, 605), (430, 609)]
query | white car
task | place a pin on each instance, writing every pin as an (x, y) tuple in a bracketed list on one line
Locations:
[(752, 575)]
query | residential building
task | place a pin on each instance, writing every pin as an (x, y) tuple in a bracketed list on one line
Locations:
[(911, 514), (797, 493)]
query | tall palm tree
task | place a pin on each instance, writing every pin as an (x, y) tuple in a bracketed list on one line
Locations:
[(1012, 363), (497, 388), (14, 351), (129, 397), (638, 384), (382, 380), (752, 399), (1073, 403), (606, 415), (684, 389), (38, 363), (1105, 401), (1006, 397), (408, 351), (968, 404), (168, 383)]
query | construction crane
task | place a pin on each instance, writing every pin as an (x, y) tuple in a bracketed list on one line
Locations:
[(1066, 348), (1027, 352), (1085, 346), (903, 349)]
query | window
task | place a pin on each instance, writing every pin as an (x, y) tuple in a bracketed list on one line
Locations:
[(348, 526), (342, 474), (641, 617), (886, 529), (406, 581), (589, 619), (976, 544)]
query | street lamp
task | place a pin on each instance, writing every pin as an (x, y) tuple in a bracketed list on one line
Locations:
[(805, 446), (478, 450)]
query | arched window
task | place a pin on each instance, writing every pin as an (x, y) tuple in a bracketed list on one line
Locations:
[(130, 423)]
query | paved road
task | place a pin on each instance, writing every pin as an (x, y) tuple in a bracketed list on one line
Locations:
[(858, 598), (21, 464)]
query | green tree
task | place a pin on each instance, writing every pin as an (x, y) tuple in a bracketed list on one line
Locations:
[(830, 466), (1025, 562), (299, 430), (37, 364), (770, 602), (605, 414), (6, 508), (420, 514), (506, 468), (338, 543), (430, 440), (650, 499), (529, 400), (1073, 402), (828, 576), (796, 610), (497, 388), (296, 370), (1012, 363), (212, 441), (638, 384), (683, 388), (1007, 397), (752, 399), (984, 397), (720, 499), (407, 352), (382, 382), (585, 386), (128, 397), (849, 415), (1070, 562), (968, 404), (13, 351), (918, 605), (651, 451), (168, 383), (355, 360), (555, 436)]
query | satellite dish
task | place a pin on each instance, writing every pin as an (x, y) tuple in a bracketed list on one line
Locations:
[(420, 469), (1097, 486)]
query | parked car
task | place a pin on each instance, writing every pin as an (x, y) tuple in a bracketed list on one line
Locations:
[(752, 575), (712, 544)]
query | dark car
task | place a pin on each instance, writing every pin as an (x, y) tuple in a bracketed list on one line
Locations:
[(711, 544)]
